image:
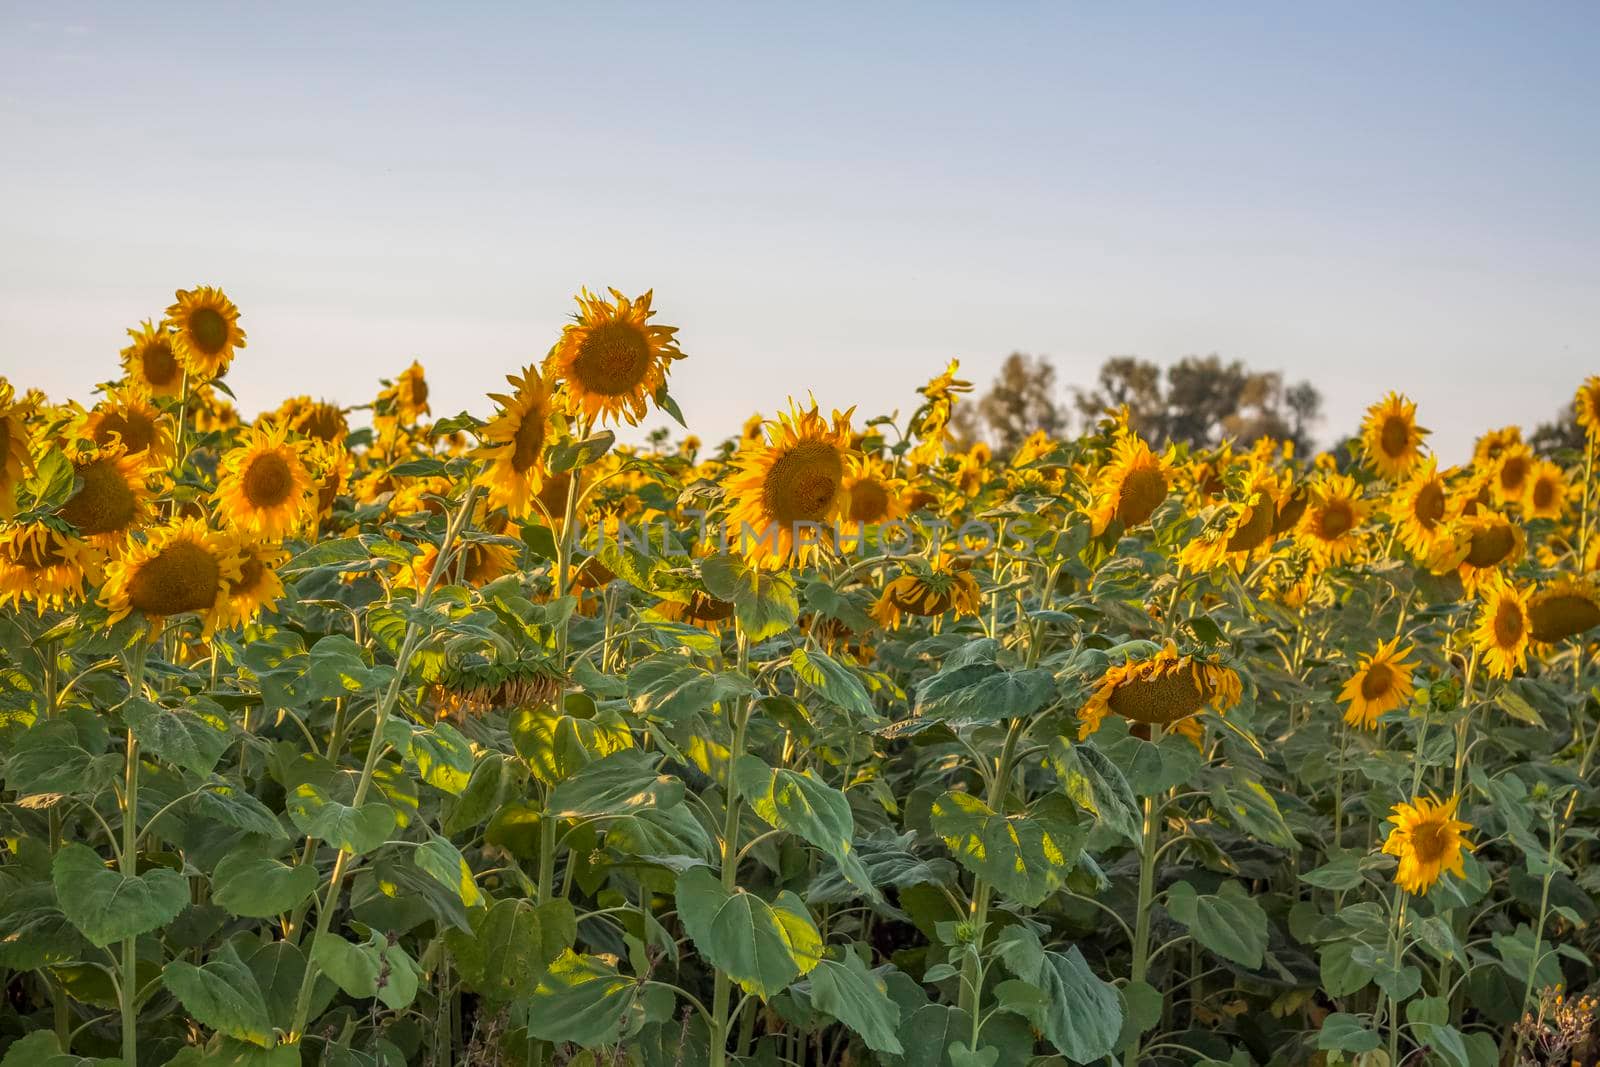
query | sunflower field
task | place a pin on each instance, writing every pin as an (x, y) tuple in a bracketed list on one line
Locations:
[(361, 736)]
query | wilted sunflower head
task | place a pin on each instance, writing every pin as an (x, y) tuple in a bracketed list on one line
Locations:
[(149, 363), (1391, 437), (45, 565), (1165, 690), (514, 443), (1418, 508), (112, 499), (1330, 529), (264, 487), (1381, 683), (184, 567), (788, 490), (1546, 494), (875, 494), (479, 681), (612, 357), (1586, 405), (126, 418), (1503, 627), (1564, 608), (1131, 485), (928, 592), (205, 330), (1426, 838)]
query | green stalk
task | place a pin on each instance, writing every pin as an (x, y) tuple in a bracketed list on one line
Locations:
[(722, 989), (971, 972), (1149, 842), (1538, 932), (129, 862)]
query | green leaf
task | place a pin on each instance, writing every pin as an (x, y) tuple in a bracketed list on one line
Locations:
[(761, 946), (260, 887), (1346, 1033), (582, 999), (443, 758), (375, 969), (1249, 807), (670, 687), (223, 995), (995, 696), (803, 804), (566, 455), (1082, 1017), (1230, 923), (859, 999), (184, 738), (1098, 786), (230, 805), (41, 1049), (1339, 873), (511, 944), (443, 862), (620, 784), (834, 681), (1026, 856), (108, 906), (355, 830), (558, 745)]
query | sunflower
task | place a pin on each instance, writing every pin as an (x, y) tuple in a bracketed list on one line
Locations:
[(313, 418), (928, 592), (149, 364), (1564, 608), (701, 609), (1166, 689), (1241, 527), (514, 444), (481, 563), (1330, 529), (972, 469), (1546, 493), (1417, 508), (403, 401), (45, 565), (264, 487), (1391, 437), (1477, 548), (875, 495), (113, 498), (1510, 482), (788, 487), (1586, 405), (1382, 682), (1131, 485), (126, 417), (258, 586), (612, 358), (1426, 838), (205, 330), (184, 567), (1488, 448), (15, 462), (1503, 628), (331, 467)]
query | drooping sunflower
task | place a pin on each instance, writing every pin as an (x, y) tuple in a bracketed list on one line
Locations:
[(1391, 437), (45, 565), (481, 563), (1510, 482), (205, 330), (317, 419), (928, 592), (403, 401), (113, 499), (149, 363), (1131, 485), (514, 444), (701, 609), (1166, 690), (264, 487), (1586, 405), (15, 461), (126, 417), (786, 491), (1418, 507), (875, 494), (1503, 628), (1477, 548), (612, 357), (258, 586), (1381, 683), (1330, 529), (1241, 528), (1564, 608), (1427, 840), (1546, 493), (184, 567)]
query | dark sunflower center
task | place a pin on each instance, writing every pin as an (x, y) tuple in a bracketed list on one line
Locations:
[(869, 501), (1429, 506), (1512, 473), (1291, 513), (1143, 489), (250, 575), (1430, 841), (803, 482), (322, 421), (105, 504), (703, 608), (182, 577), (1335, 520), (1377, 682), (136, 430), (268, 481), (1255, 530), (34, 553), (1165, 698), (159, 365), (1508, 625), (1556, 618), (1544, 494), (528, 443), (613, 359), (209, 330), (1394, 436), (1491, 545)]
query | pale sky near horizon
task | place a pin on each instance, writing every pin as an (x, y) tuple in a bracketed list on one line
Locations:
[(833, 198)]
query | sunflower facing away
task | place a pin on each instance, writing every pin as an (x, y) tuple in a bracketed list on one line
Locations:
[(1131, 485), (1166, 689), (44, 565), (113, 498), (514, 444), (701, 609), (612, 358), (1478, 547), (1382, 682), (1418, 507), (405, 400), (149, 364), (126, 417), (182, 568), (205, 330), (1564, 608), (1241, 527), (788, 490), (928, 592), (1330, 529), (1586, 405), (1503, 628), (14, 459), (1426, 838), (264, 487), (1391, 437)]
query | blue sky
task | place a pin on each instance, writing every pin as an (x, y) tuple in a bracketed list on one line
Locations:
[(826, 198)]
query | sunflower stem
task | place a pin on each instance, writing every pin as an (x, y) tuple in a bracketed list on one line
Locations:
[(129, 860), (722, 989)]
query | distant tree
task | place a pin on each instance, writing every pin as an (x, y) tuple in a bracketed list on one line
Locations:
[(1560, 434), (1021, 400)]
